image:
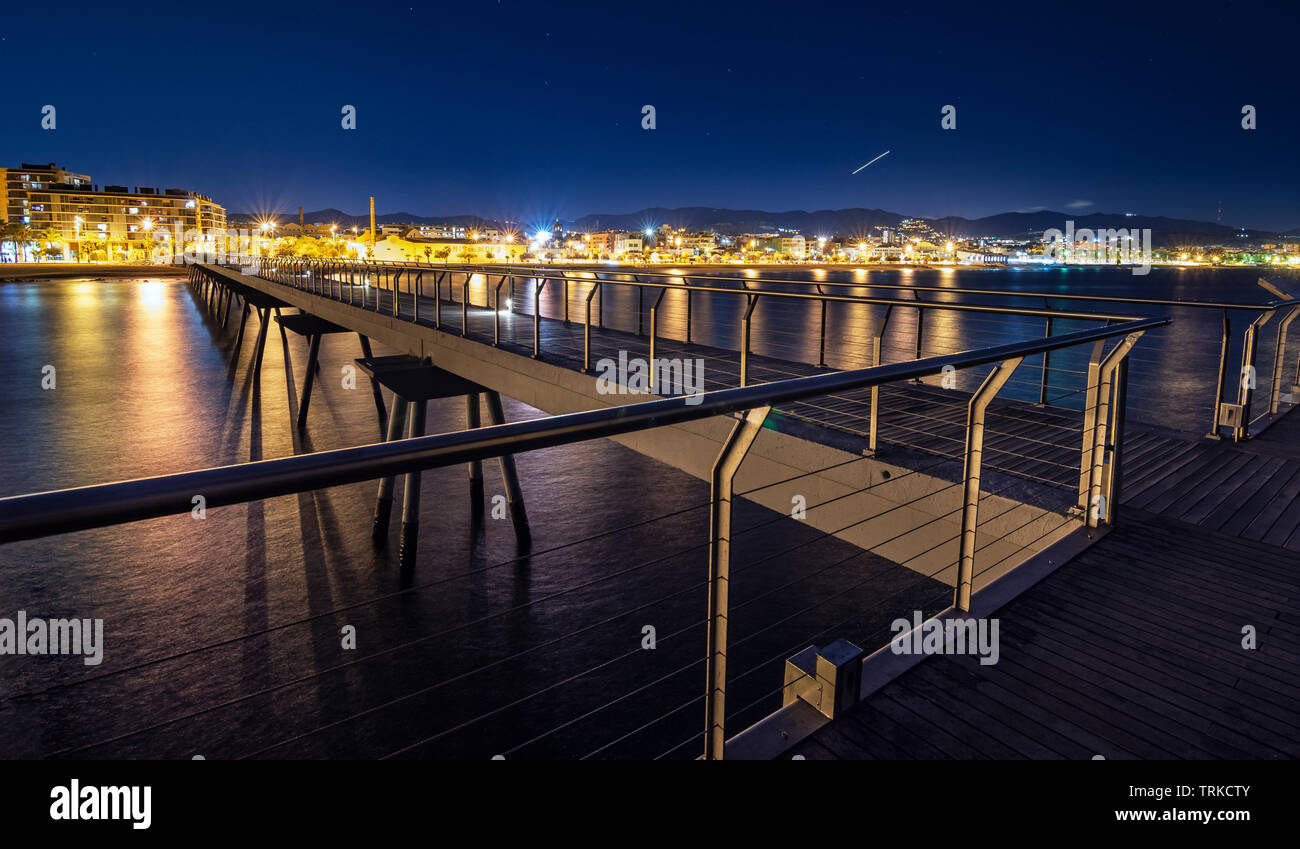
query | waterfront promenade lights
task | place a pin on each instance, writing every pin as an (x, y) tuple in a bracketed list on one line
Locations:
[(146, 225), (266, 229)]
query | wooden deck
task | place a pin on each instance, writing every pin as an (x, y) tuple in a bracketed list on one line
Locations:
[(1134, 648)]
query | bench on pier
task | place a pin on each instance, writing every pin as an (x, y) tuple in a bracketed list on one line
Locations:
[(415, 382)]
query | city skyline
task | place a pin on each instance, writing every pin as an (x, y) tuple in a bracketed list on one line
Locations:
[(514, 111)]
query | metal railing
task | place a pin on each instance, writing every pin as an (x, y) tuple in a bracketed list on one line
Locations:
[(1225, 392), (43, 514), (1233, 400), (396, 289)]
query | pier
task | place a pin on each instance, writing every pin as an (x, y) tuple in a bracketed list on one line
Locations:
[(1004, 479)]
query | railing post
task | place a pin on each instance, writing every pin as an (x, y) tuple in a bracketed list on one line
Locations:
[(688, 314), (1092, 471), (744, 344), (725, 467), (496, 316), (640, 308), (920, 325), (586, 331), (1219, 386), (1047, 363), (1279, 355), (1090, 405), (537, 317), (437, 299), (975, 414), (654, 327), (1248, 376), (821, 346), (877, 343), (1114, 478), (464, 305)]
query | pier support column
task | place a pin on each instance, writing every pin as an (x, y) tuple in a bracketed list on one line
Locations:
[(384, 502), (472, 421), (374, 385), (264, 315), (509, 474), (239, 339), (313, 353), (410, 540)]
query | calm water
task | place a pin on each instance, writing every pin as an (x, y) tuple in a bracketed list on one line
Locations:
[(223, 635)]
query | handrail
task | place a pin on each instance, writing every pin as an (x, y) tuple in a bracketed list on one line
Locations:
[(62, 511), (1240, 424), (1117, 299), (541, 272), (469, 271)]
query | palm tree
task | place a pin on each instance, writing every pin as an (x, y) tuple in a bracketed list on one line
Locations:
[(50, 237), (8, 233), (24, 234)]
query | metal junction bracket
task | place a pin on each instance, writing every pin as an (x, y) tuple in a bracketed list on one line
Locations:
[(828, 679)]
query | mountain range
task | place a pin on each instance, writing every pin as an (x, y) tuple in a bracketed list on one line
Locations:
[(848, 222)]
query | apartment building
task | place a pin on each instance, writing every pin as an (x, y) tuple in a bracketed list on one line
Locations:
[(89, 218)]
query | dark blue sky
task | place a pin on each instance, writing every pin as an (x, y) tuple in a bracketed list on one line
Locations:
[(531, 110)]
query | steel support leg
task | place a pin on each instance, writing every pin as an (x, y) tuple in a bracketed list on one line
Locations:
[(264, 315), (374, 385), (411, 497), (475, 467), (509, 474), (724, 473), (239, 338), (313, 352), (384, 502)]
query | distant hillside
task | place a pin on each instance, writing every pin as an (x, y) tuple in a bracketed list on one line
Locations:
[(1164, 231), (344, 220), (826, 221)]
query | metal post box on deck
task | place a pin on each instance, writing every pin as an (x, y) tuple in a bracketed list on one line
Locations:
[(829, 679)]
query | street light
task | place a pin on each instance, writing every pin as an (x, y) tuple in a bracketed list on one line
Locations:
[(146, 224)]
